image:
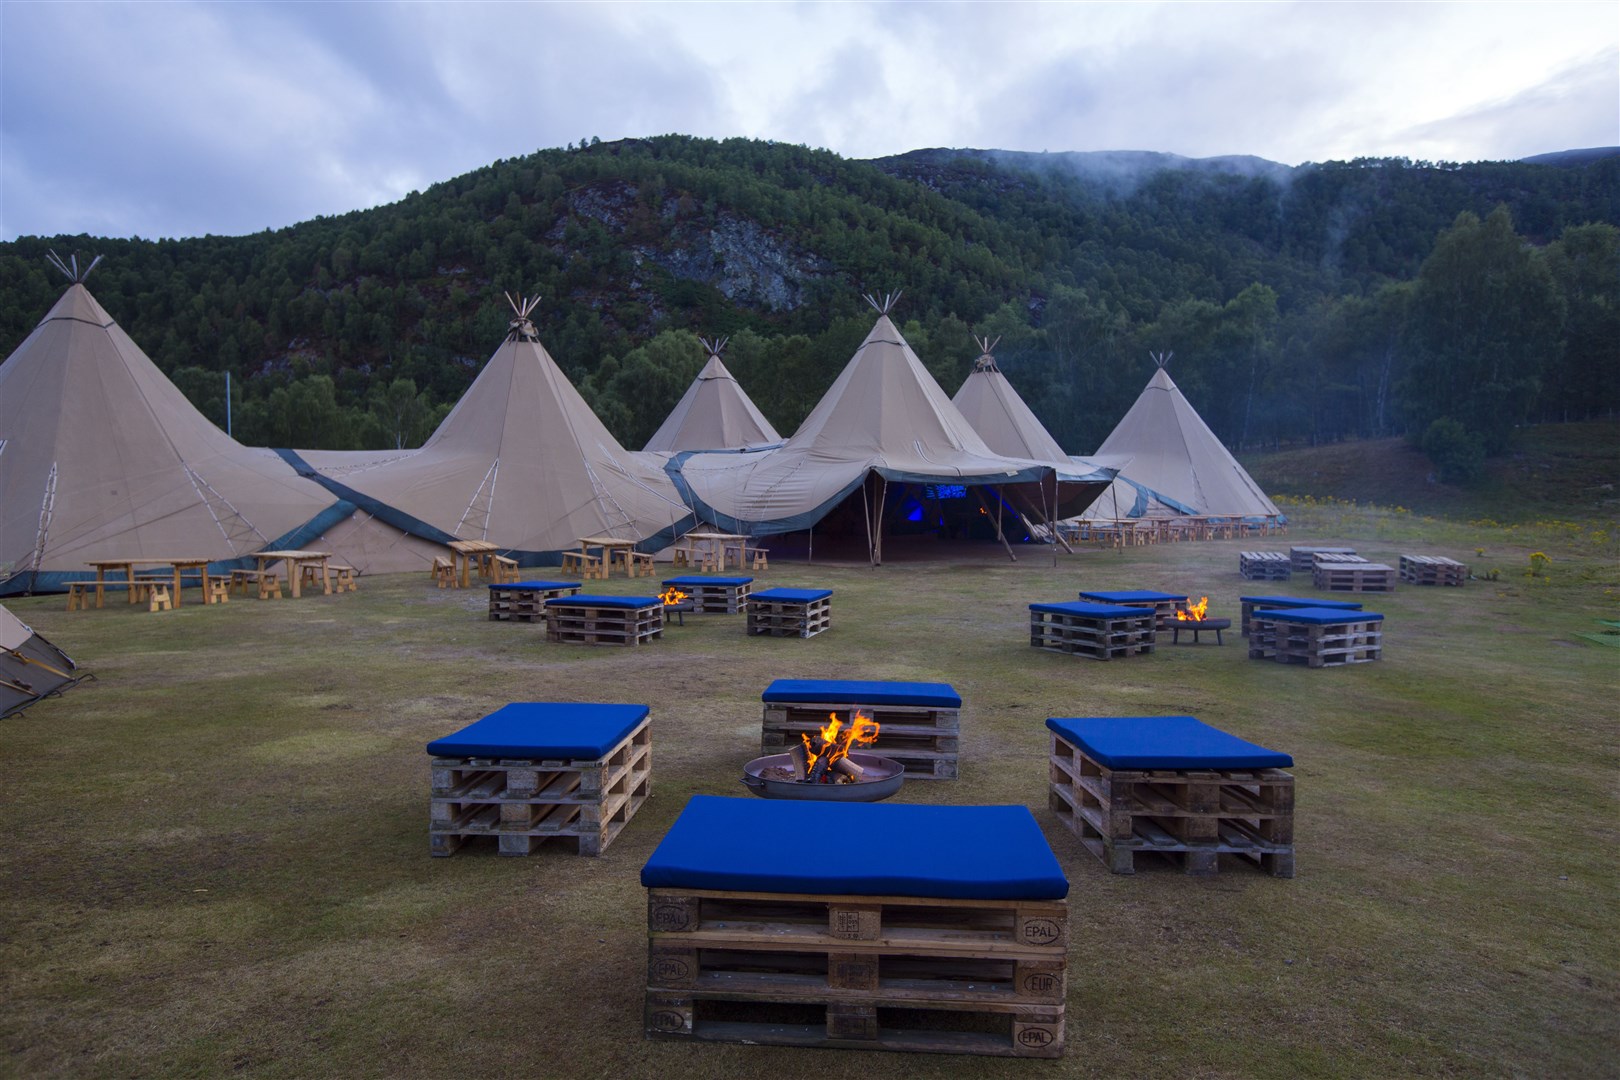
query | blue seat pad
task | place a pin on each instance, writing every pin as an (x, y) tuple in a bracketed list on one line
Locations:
[(800, 595), (584, 600), (544, 729), (1163, 742), (834, 691), (694, 580), (1137, 596), (1299, 602), (1101, 611), (856, 849), (535, 586), (1319, 616)]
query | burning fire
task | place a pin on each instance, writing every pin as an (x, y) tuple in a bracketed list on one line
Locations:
[(671, 595), (1195, 612), (831, 745)]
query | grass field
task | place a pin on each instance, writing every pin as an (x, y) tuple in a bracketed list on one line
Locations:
[(216, 853)]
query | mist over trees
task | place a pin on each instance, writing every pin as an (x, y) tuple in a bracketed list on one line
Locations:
[(1333, 301)]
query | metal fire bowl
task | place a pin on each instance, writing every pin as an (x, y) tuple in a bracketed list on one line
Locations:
[(883, 778)]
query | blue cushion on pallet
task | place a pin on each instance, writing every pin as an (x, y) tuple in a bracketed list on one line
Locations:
[(544, 729), (583, 600), (1163, 742), (801, 596), (1319, 616), (856, 849), (1137, 596), (535, 586), (834, 691), (695, 580), (1299, 602), (1099, 611)]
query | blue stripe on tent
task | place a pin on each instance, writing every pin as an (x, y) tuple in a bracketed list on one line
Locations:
[(415, 526)]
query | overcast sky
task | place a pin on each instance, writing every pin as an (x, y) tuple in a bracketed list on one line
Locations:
[(182, 119)]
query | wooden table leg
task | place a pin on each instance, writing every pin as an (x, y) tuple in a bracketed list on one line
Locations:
[(294, 574), (326, 577), (177, 585)]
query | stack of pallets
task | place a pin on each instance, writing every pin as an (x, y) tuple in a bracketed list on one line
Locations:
[(1432, 570)]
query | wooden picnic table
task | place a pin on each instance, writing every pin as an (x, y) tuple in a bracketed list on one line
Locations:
[(610, 545), (295, 561), (466, 552), (717, 542), (128, 566)]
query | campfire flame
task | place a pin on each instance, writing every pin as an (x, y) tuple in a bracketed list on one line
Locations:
[(833, 742), (671, 595), (1195, 612)]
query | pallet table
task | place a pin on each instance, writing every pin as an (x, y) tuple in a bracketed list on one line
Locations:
[(919, 724), (604, 620), (1432, 570), (1354, 577), (714, 595), (1252, 604), (533, 771), (1100, 631), (525, 601), (1265, 566), (798, 613), (1163, 605), (933, 929), (1174, 786), (1316, 636), (1302, 559)]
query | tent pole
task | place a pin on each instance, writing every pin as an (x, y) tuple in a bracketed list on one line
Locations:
[(999, 534), (883, 497), (810, 552), (1051, 519), (866, 511)]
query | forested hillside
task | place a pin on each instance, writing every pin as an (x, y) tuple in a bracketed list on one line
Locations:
[(1364, 298)]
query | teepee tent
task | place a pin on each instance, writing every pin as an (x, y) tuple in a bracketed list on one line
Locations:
[(101, 456), (713, 414), (884, 423), (30, 666), (521, 462), (1177, 465)]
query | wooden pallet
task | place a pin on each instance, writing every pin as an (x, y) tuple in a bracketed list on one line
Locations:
[(1251, 608), (789, 618), (523, 605), (1164, 610), (1354, 641), (1099, 637), (922, 739), (713, 598), (587, 624), (1265, 565), (524, 802), (1432, 570), (1192, 816), (858, 972), (1303, 559), (1354, 577)]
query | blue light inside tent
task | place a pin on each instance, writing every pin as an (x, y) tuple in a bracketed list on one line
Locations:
[(944, 491), (915, 511)]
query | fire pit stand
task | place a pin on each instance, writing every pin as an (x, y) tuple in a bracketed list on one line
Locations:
[(771, 777), (1196, 626)]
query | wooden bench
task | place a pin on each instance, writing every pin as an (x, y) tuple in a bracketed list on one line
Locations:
[(1100, 631), (586, 566), (343, 579), (1316, 637), (81, 594), (801, 613), (444, 572), (636, 563), (503, 570), (158, 598), (604, 620), (218, 591)]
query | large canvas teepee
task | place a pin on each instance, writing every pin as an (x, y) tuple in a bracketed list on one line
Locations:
[(1177, 465), (30, 667), (884, 419), (521, 462), (713, 414), (102, 457)]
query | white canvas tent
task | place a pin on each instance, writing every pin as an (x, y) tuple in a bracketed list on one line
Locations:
[(521, 462), (713, 414), (1177, 465), (884, 423), (30, 666), (101, 456)]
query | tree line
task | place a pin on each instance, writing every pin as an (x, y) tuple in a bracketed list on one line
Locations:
[(1349, 300)]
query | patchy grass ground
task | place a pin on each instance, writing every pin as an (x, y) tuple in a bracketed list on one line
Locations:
[(216, 856)]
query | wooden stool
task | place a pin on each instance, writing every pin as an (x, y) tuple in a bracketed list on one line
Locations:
[(760, 562), (638, 564), (444, 572), (158, 598), (343, 579), (586, 566), (79, 594), (682, 557), (218, 591), (504, 570), (269, 586)]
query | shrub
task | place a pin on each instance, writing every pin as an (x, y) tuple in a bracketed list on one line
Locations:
[(1457, 453)]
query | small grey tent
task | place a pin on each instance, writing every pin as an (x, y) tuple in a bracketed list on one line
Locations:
[(30, 666), (713, 414)]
